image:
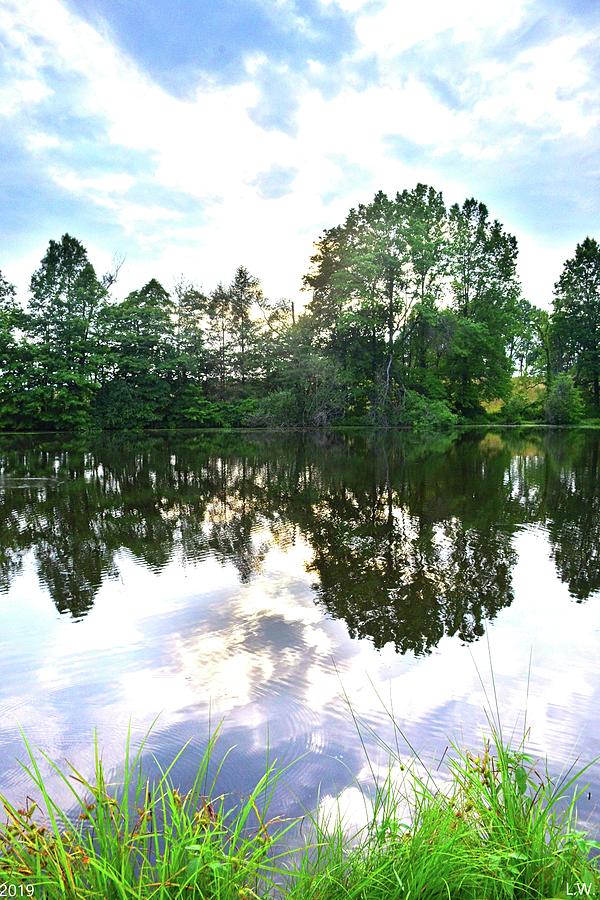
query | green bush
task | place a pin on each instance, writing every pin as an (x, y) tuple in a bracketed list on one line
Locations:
[(190, 407), (315, 395), (564, 405), (277, 410), (239, 413), (518, 408), (514, 410), (422, 413), (125, 404)]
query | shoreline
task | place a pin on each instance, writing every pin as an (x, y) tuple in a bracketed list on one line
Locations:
[(493, 825)]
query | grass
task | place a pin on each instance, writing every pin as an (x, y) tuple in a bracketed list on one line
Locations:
[(494, 827)]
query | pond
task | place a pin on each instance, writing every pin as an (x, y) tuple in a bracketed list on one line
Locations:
[(266, 580)]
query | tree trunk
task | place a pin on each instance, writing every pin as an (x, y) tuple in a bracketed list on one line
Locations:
[(390, 335)]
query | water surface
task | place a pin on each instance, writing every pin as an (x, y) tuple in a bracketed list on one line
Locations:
[(255, 579)]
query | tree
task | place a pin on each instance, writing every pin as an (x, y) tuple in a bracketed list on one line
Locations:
[(372, 279), (327, 304), (189, 312), (523, 344), (485, 293), (67, 300), (190, 362), (13, 357), (425, 229), (576, 320), (564, 405), (218, 338), (541, 325), (244, 294), (277, 324), (140, 356), (416, 316), (10, 318)]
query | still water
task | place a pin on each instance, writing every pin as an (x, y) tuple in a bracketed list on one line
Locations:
[(263, 580)]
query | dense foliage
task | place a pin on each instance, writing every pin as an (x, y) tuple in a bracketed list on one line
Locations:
[(415, 317)]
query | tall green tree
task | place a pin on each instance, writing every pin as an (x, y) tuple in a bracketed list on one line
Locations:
[(218, 337), (523, 347), (485, 294), (189, 314), (244, 293), (380, 286), (140, 354), (14, 357), (424, 221), (276, 323), (576, 320), (368, 278), (190, 361), (541, 327), (67, 300), (10, 318)]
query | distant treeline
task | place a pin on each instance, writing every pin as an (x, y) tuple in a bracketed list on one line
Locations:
[(415, 317)]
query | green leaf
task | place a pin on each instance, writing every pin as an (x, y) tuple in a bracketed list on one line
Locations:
[(521, 779)]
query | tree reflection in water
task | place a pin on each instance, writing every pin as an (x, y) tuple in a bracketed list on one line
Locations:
[(411, 539)]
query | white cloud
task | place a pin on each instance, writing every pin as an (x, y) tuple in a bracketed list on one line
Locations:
[(540, 264), (39, 140), (111, 183), (396, 26), (548, 87), (22, 93), (208, 147)]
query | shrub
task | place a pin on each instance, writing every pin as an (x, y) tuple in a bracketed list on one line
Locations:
[(564, 405), (239, 413), (514, 410), (191, 407), (423, 413), (277, 410), (525, 403), (123, 404)]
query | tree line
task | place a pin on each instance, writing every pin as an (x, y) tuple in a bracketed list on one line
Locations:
[(415, 317)]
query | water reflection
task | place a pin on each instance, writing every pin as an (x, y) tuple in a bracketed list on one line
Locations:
[(408, 541), (250, 576)]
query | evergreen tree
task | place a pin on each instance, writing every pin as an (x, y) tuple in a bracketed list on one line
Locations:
[(190, 363), (218, 337), (10, 318), (140, 356), (67, 301), (244, 294)]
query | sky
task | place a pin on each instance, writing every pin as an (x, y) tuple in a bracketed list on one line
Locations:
[(193, 136)]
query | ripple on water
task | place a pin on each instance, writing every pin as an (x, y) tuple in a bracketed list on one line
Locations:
[(223, 548)]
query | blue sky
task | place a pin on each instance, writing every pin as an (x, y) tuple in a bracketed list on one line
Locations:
[(196, 135)]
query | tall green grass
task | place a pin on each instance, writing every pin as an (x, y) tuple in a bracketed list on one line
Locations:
[(496, 826), (140, 839), (497, 829)]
